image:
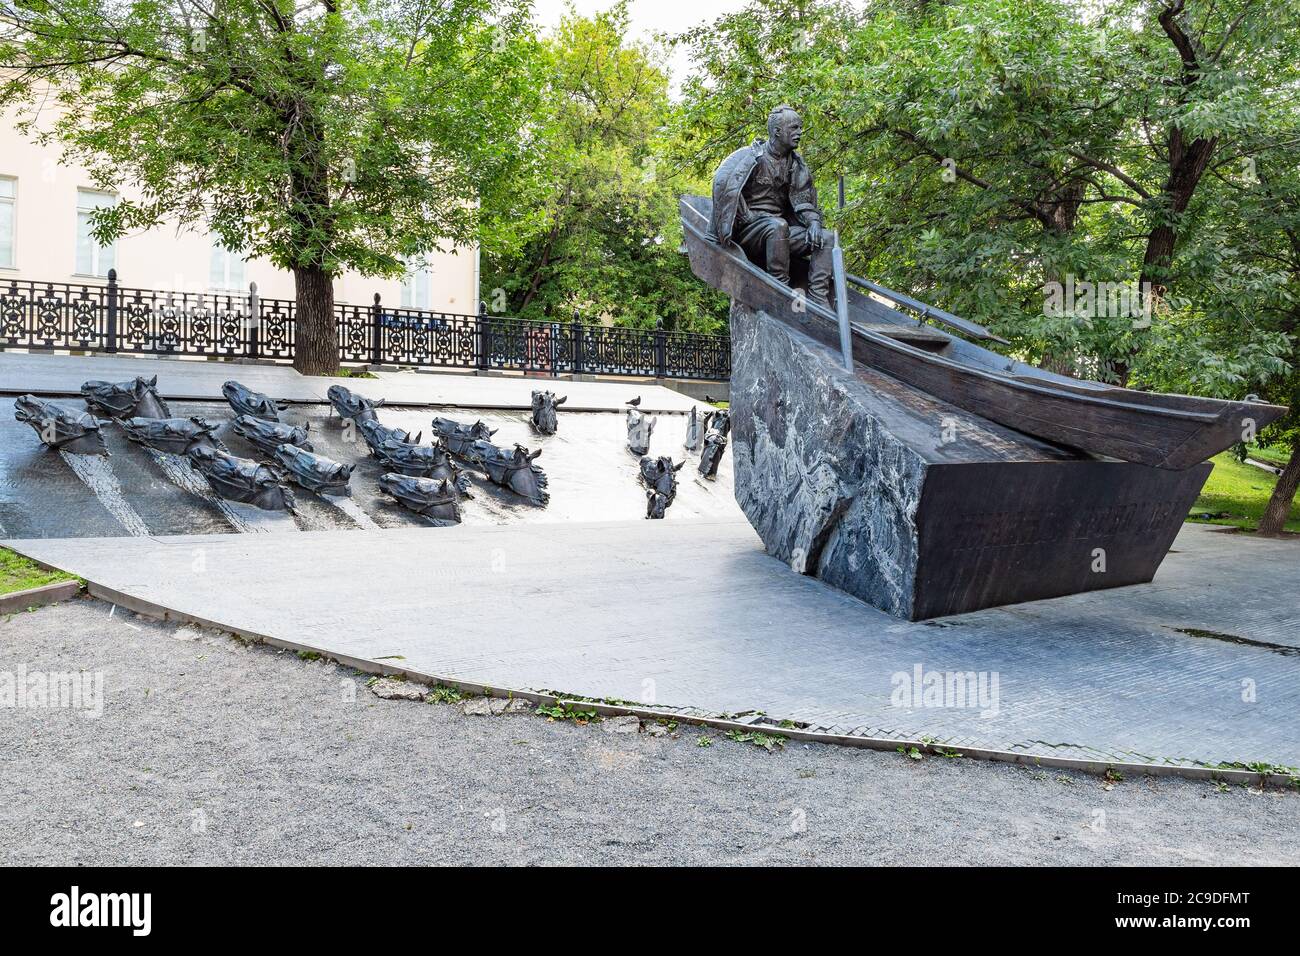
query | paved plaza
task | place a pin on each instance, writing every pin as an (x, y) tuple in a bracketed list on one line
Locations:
[(1202, 666)]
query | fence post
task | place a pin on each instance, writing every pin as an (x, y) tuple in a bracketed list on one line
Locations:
[(254, 322), (577, 343), (661, 350), (110, 343), (481, 334), (377, 333)]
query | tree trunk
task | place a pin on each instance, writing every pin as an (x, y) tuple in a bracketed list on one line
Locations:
[(1279, 506), (316, 350)]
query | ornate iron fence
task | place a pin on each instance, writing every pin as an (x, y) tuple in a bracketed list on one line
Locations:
[(111, 318)]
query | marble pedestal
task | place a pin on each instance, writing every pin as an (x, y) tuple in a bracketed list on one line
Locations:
[(922, 509)]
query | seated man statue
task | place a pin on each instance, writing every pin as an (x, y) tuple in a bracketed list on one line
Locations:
[(764, 199)]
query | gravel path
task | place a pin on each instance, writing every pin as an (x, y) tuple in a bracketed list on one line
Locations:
[(212, 752)]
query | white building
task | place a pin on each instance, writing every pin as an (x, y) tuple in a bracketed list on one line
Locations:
[(45, 208)]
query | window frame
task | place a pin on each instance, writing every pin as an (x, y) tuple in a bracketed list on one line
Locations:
[(96, 250), (12, 202), (417, 271), (229, 257)]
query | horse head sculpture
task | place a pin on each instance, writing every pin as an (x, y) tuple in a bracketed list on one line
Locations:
[(137, 398), (242, 479), (639, 429), (460, 438), (545, 406), (694, 432), (247, 402), (350, 405), (434, 498), (376, 434), (60, 427), (314, 472), (268, 436), (175, 436)]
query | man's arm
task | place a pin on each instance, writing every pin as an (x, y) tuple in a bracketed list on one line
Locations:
[(803, 199)]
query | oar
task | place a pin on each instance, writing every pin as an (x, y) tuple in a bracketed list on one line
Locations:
[(842, 302), (929, 311)]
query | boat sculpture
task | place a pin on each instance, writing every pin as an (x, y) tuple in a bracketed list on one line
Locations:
[(884, 449), (137, 398), (1149, 428), (60, 427)]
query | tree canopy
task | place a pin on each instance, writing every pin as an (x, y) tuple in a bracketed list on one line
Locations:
[(1000, 152), (593, 227), (325, 135)]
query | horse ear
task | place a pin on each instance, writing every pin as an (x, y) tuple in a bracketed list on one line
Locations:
[(561, 401), (492, 431), (152, 382), (534, 455), (678, 466), (418, 436)]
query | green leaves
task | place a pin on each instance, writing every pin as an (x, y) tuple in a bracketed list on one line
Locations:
[(992, 147), (592, 226), (326, 135)]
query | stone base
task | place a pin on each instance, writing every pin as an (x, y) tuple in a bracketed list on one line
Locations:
[(922, 509)]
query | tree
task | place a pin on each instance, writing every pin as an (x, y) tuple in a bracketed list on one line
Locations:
[(995, 147), (594, 228), (324, 135), (992, 146)]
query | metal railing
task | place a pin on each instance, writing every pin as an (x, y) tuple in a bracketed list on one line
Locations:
[(112, 318)]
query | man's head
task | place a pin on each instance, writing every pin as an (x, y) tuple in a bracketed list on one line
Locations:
[(784, 129)]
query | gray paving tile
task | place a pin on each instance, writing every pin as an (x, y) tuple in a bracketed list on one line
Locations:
[(697, 615)]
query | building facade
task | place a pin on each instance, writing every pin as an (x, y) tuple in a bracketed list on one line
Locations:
[(45, 214)]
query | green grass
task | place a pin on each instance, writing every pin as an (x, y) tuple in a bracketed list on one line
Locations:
[(353, 373), (1240, 491), (1270, 454), (19, 574)]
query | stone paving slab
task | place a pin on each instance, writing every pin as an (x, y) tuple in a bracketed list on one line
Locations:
[(695, 615), (46, 374)]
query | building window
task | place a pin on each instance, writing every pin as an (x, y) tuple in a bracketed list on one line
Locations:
[(92, 258), (8, 195), (417, 286), (226, 270)]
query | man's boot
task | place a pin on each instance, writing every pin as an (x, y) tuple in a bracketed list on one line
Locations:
[(819, 275)]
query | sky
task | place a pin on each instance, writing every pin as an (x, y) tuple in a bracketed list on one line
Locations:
[(648, 18)]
